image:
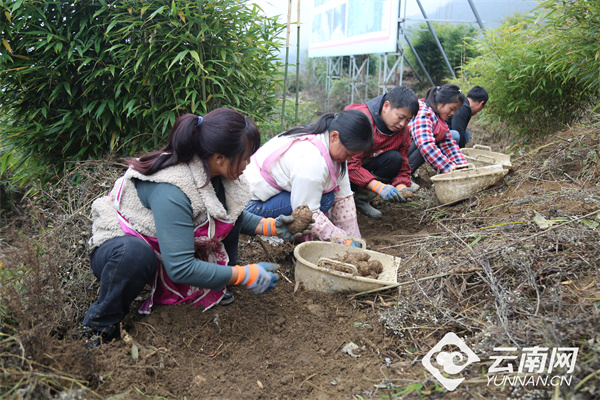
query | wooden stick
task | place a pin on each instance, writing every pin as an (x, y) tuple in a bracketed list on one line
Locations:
[(402, 284), (262, 243)]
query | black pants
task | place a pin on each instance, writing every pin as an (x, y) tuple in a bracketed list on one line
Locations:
[(384, 167), (415, 158), (124, 265)]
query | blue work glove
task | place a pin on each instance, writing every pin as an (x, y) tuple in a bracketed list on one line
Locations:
[(280, 227), (388, 192), (353, 243), (283, 228), (257, 277)]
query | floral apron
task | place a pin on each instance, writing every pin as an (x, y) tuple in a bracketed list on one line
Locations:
[(209, 247)]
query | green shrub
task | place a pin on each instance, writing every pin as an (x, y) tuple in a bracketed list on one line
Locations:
[(576, 28), (307, 114), (453, 38), (530, 71), (81, 79)]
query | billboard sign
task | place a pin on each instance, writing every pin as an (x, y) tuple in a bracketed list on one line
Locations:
[(349, 27)]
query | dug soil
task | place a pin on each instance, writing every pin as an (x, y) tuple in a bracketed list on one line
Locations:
[(482, 268)]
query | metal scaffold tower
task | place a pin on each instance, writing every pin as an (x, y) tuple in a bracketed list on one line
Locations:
[(359, 78), (334, 71), (358, 72), (387, 73), (391, 65)]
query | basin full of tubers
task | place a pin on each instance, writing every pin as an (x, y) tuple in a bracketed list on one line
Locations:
[(353, 263), (331, 267)]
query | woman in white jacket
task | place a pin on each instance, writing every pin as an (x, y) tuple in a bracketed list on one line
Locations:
[(306, 165)]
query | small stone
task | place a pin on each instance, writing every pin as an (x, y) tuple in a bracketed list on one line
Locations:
[(351, 349)]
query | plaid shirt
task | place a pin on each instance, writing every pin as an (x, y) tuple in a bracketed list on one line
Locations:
[(399, 141), (433, 139)]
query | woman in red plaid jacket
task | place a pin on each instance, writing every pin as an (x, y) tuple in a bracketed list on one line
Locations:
[(431, 140)]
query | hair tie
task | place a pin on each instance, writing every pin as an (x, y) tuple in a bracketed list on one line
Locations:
[(200, 119), (459, 91)]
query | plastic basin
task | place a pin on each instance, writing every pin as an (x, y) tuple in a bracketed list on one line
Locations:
[(483, 156), (463, 183), (312, 277)]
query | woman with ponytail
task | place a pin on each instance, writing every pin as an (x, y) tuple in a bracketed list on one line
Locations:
[(306, 165), (173, 221), (431, 140)]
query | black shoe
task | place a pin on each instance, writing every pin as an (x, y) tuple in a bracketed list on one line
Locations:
[(362, 197), (227, 298), (367, 209), (94, 338)]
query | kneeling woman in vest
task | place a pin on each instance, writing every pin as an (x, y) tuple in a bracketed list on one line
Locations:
[(306, 165), (173, 221)]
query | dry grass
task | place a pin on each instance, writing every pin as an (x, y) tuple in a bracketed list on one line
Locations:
[(46, 285), (501, 280), (527, 286)]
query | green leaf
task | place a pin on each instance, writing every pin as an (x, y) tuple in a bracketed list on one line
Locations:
[(111, 25), (195, 56), (111, 105), (5, 161), (178, 58), (101, 108), (156, 12), (90, 107)]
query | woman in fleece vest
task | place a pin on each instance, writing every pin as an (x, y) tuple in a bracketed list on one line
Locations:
[(173, 221)]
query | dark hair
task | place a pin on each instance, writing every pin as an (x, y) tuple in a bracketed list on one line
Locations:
[(443, 95), (356, 132), (478, 93), (403, 97), (221, 131)]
